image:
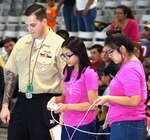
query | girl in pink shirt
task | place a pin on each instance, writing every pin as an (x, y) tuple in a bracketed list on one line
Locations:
[(128, 91), (80, 92)]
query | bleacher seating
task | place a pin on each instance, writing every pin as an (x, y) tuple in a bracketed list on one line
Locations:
[(99, 37), (73, 33), (8, 34), (130, 4), (22, 33), (87, 38), (105, 13)]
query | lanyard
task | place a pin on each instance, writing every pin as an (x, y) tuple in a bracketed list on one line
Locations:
[(30, 80)]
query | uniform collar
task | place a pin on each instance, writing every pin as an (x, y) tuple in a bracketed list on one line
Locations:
[(46, 41)]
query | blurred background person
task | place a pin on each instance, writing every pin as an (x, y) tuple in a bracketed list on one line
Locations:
[(124, 19), (107, 75), (145, 44), (63, 33), (9, 44), (145, 40), (96, 52), (69, 15), (51, 14), (138, 51), (148, 102), (106, 61), (86, 14)]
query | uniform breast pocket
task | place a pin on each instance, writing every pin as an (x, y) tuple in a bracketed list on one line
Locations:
[(21, 62), (44, 65)]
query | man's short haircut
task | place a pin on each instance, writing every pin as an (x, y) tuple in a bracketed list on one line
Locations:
[(97, 46), (38, 10)]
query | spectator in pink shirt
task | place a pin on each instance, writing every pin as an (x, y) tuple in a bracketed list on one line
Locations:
[(124, 19)]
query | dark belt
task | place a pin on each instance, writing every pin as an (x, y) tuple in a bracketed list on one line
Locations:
[(39, 95)]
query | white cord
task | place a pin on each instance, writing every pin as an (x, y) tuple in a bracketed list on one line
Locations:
[(81, 120), (76, 128)]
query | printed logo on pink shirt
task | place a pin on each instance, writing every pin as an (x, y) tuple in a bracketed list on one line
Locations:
[(72, 88)]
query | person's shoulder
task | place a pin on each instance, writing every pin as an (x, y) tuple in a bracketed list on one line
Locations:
[(53, 39), (52, 8), (112, 25), (89, 70), (145, 42), (133, 65), (132, 21), (25, 38), (91, 75)]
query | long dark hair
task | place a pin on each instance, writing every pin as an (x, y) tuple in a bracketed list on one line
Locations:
[(76, 45)]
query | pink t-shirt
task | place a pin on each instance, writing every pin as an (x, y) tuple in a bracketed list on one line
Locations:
[(131, 30), (129, 81), (76, 91)]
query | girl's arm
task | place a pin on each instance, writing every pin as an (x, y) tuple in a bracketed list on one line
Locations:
[(122, 100), (92, 96)]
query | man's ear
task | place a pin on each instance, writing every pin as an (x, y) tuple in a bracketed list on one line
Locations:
[(44, 21)]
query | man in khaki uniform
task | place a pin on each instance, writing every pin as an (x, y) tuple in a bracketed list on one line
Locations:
[(35, 62)]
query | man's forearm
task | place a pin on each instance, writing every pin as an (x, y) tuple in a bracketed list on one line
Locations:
[(10, 85)]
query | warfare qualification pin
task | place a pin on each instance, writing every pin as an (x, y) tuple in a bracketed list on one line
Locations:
[(29, 91)]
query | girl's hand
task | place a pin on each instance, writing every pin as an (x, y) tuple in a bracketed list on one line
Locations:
[(61, 108), (101, 100)]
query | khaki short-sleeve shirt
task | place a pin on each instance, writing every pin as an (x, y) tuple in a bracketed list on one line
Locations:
[(44, 69)]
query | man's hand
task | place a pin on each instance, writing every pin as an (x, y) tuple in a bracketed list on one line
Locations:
[(5, 114)]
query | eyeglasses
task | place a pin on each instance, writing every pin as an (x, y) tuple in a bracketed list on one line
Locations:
[(118, 13), (65, 56), (110, 52)]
